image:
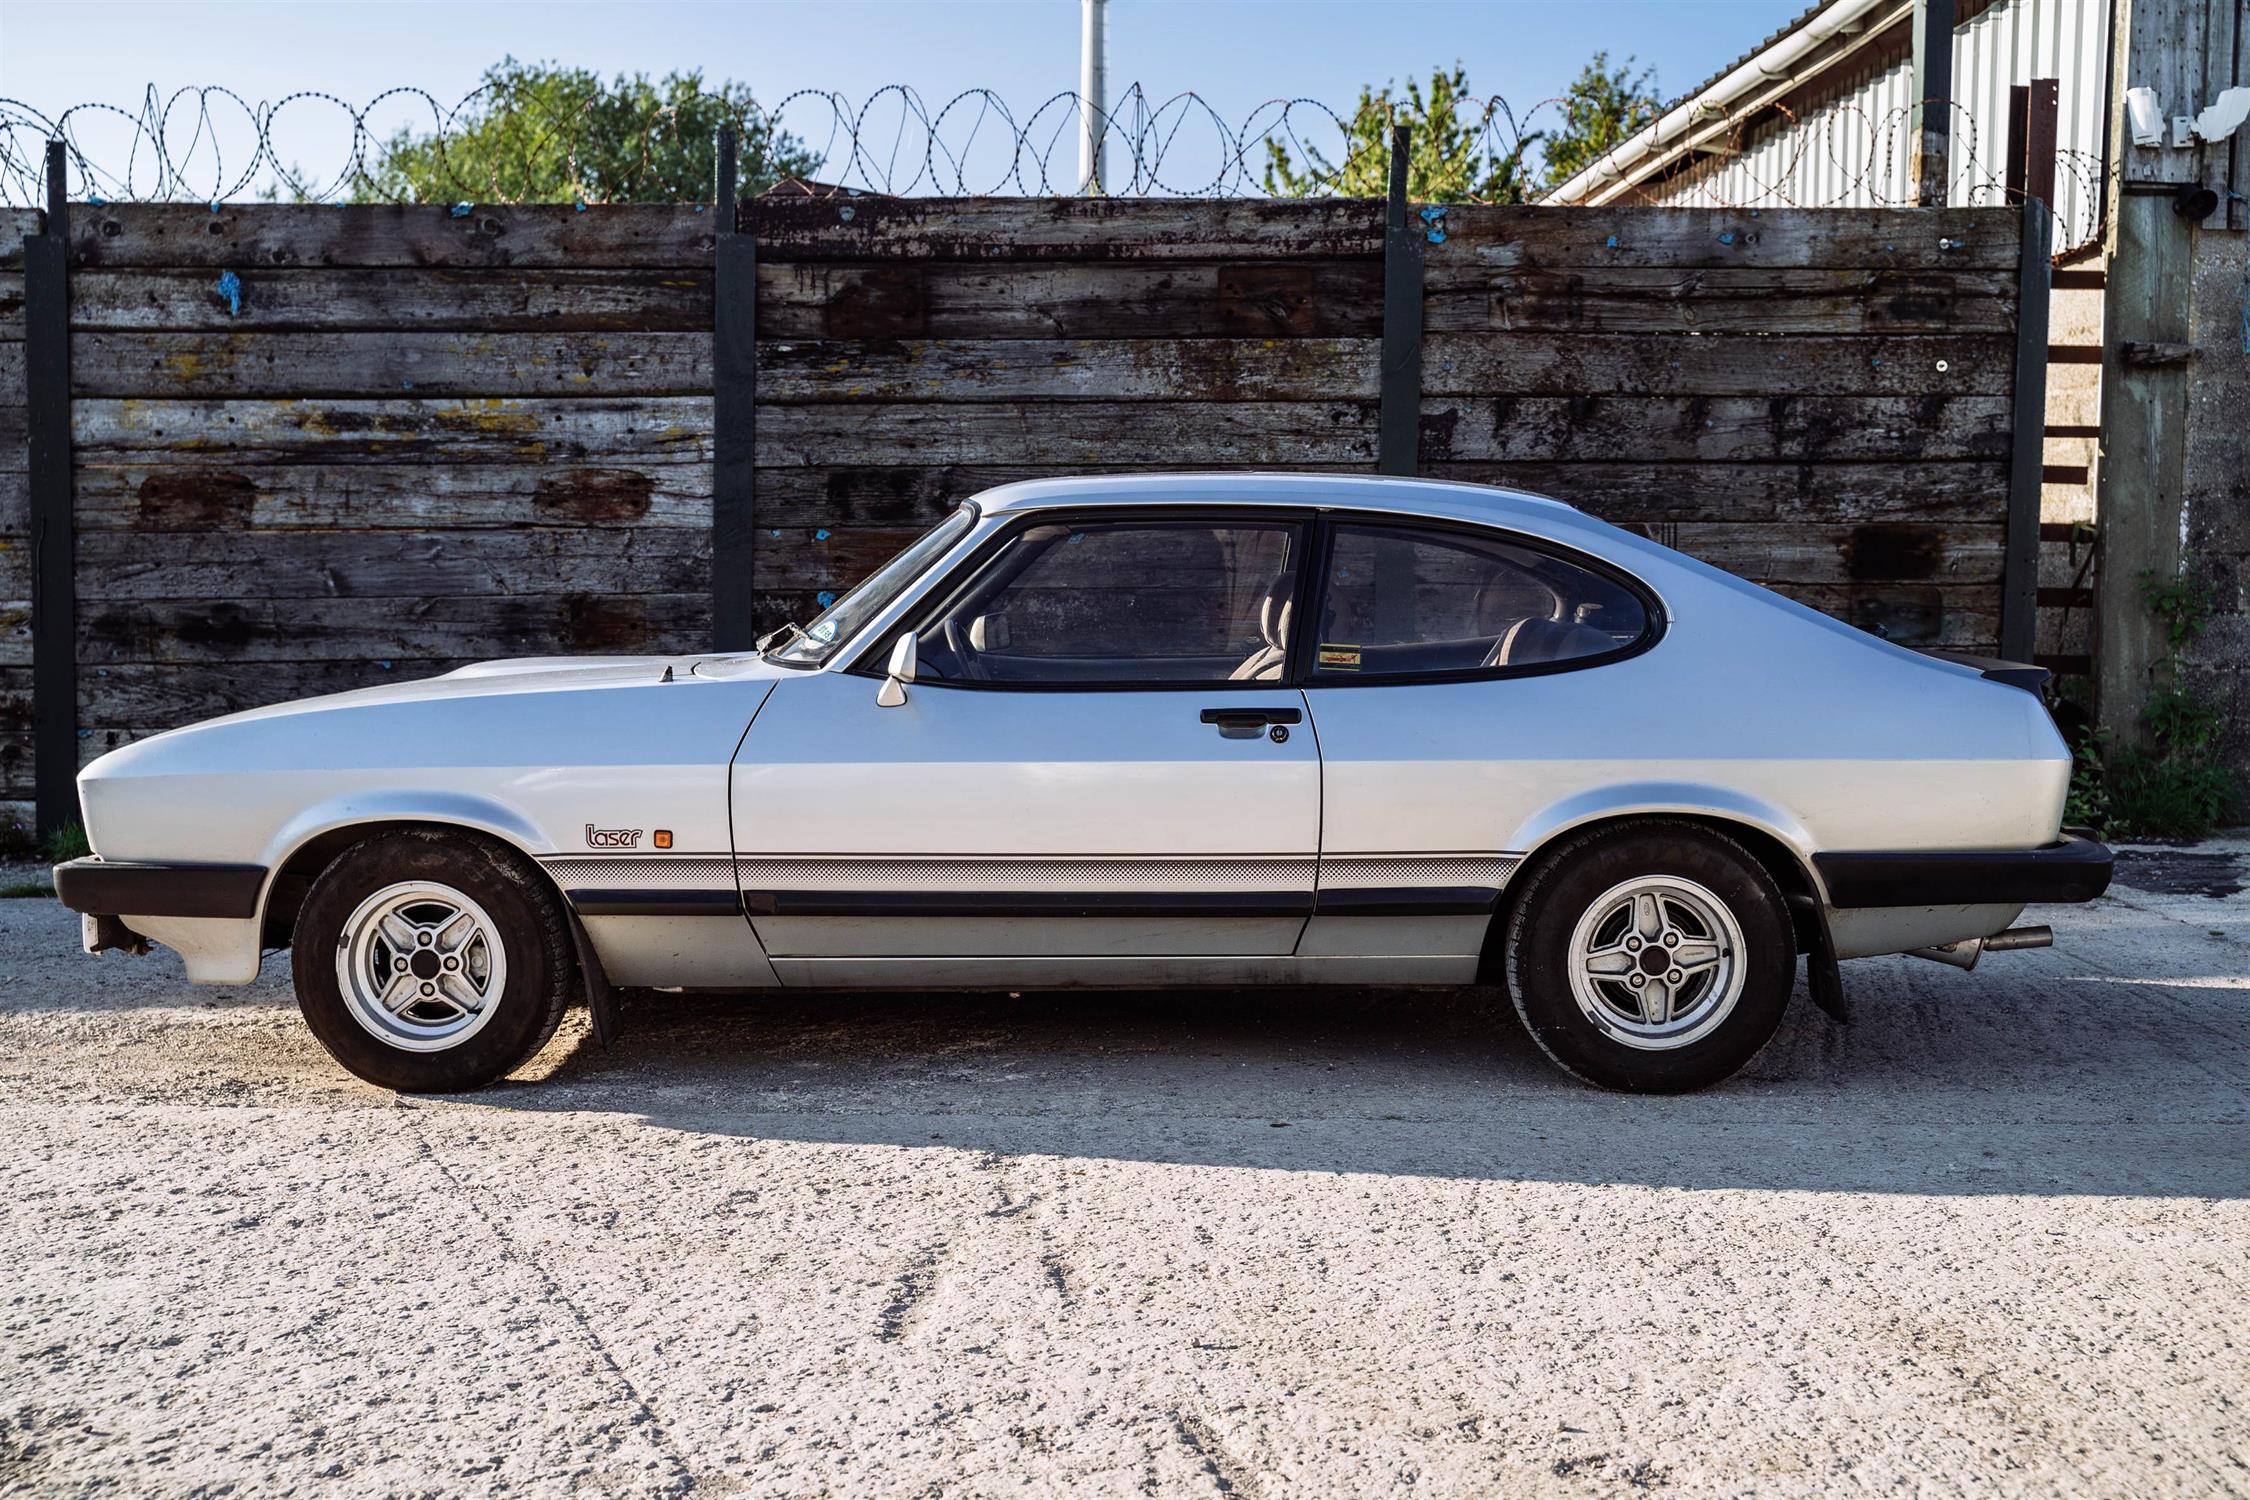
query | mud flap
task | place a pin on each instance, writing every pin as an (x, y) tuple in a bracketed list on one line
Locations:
[(601, 995), (1823, 978)]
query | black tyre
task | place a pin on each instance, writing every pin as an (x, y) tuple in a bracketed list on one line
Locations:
[(1654, 956), (432, 962)]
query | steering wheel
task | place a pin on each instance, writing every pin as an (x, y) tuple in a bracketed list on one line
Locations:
[(957, 641)]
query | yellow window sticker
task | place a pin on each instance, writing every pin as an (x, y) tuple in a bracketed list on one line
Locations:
[(1339, 658)]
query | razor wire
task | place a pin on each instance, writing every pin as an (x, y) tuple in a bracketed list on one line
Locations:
[(209, 144)]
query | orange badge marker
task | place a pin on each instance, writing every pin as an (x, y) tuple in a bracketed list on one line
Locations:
[(663, 838)]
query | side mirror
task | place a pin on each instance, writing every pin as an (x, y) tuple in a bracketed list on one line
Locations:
[(904, 656)]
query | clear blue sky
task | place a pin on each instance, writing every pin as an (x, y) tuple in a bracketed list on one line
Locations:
[(1236, 54)]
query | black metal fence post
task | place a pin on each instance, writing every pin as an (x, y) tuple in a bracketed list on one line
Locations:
[(1399, 426), (54, 584), (2019, 577), (734, 394)]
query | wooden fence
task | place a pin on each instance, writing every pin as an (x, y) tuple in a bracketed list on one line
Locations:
[(318, 447)]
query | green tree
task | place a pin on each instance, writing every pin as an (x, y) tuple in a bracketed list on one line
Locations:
[(1456, 154), (538, 132), (1600, 109)]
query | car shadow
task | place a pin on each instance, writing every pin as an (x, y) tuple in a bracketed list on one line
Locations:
[(1929, 1091)]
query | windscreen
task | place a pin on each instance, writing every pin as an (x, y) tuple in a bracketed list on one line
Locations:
[(874, 594)]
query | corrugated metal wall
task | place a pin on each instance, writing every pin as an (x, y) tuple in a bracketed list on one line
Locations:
[(1851, 151)]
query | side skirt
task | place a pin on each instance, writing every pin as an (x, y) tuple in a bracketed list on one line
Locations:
[(1098, 973)]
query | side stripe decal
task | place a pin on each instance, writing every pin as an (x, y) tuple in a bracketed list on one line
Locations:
[(1034, 885)]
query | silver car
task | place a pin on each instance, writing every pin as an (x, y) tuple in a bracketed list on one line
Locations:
[(1172, 729)]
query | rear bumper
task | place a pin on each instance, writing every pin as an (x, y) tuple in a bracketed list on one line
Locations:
[(106, 888), (2073, 868)]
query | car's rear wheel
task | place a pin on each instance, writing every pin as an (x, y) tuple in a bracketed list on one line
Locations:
[(432, 962), (1654, 956)]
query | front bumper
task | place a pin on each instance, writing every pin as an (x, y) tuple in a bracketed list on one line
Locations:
[(208, 914), (2073, 868), (106, 888)]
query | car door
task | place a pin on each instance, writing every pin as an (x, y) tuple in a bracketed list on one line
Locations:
[(1455, 676), (1098, 773)]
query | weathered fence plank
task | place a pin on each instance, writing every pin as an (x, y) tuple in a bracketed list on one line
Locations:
[(1221, 433), (623, 301), (11, 301), (846, 492), (258, 630), (15, 223), (1279, 299), (234, 365), (1790, 493), (1716, 428), (1573, 364), (520, 236), (1724, 301), (1666, 238), (160, 497), (1955, 615), (1079, 229), (493, 430), (1146, 369), (391, 564), (321, 365), (156, 695)]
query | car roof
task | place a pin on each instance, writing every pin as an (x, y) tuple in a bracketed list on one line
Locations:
[(1414, 497)]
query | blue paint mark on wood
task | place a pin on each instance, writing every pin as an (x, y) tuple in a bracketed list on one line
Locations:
[(230, 290)]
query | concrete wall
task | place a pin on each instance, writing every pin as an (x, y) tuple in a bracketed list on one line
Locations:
[(2215, 526)]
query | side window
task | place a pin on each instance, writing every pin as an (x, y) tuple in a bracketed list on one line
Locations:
[(1407, 600), (1125, 602)]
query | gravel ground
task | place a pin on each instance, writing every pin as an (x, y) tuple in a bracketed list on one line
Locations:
[(1994, 1237)]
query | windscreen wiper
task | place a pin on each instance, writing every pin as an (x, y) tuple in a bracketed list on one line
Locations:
[(774, 639)]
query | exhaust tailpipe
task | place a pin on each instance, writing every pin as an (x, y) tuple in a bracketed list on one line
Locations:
[(1964, 955)]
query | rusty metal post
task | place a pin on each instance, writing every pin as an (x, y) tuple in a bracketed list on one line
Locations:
[(54, 583), (734, 394), (1399, 423), (1932, 101), (2019, 577)]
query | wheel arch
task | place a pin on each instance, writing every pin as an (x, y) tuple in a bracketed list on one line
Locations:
[(312, 840), (1779, 844)]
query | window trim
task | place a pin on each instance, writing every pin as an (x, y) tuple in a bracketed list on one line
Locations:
[(1303, 672), (1303, 520)]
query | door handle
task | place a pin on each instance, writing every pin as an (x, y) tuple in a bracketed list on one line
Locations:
[(1249, 723), (1254, 716)]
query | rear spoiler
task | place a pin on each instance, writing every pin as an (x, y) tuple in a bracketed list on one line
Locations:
[(2018, 674)]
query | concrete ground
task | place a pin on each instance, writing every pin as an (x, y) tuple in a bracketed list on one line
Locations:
[(1994, 1238)]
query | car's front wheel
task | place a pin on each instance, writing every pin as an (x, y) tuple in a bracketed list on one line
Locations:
[(1654, 956), (432, 962)]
